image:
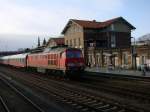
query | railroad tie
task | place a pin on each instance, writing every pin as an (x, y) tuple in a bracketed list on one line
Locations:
[(97, 104), (84, 110), (91, 102), (79, 107), (122, 110), (112, 109), (103, 107)]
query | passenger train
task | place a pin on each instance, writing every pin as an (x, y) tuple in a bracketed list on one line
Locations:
[(58, 59)]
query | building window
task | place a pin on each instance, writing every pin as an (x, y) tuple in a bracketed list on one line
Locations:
[(70, 42), (125, 58), (143, 59), (72, 30), (75, 29), (79, 41), (74, 42), (79, 29), (112, 27), (66, 42), (113, 40)]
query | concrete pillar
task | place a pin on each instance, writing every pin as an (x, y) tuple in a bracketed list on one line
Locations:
[(120, 58)]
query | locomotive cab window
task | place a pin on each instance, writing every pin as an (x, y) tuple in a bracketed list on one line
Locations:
[(74, 54)]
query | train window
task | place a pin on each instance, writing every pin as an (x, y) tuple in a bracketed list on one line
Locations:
[(49, 62), (52, 56), (74, 54)]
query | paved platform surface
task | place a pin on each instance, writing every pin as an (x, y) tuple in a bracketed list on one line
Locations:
[(119, 72)]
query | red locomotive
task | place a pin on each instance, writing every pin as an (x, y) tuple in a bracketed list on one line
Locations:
[(62, 59)]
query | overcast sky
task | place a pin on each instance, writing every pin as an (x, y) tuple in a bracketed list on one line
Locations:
[(22, 21)]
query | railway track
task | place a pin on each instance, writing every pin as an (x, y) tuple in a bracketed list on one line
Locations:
[(78, 99), (55, 88), (77, 87), (13, 100), (3, 105), (125, 91), (118, 86), (135, 88)]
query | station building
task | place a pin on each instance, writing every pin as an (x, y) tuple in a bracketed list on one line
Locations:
[(102, 43), (142, 53)]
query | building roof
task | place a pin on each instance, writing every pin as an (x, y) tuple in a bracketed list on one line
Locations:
[(57, 40), (96, 25)]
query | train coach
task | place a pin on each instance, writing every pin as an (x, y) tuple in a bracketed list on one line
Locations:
[(19, 60), (62, 59)]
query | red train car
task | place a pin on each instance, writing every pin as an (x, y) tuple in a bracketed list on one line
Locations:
[(58, 59)]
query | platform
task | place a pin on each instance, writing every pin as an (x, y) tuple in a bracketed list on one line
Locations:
[(118, 71)]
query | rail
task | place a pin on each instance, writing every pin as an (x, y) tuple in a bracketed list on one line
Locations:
[(22, 95), (4, 105)]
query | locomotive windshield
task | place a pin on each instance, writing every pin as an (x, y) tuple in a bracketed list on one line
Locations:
[(74, 54)]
